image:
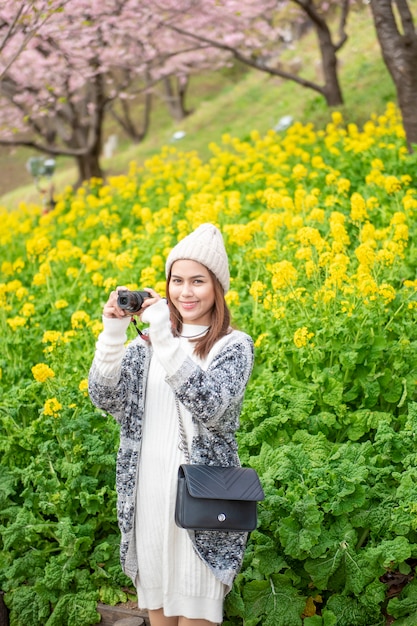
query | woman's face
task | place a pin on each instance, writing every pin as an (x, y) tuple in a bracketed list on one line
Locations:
[(191, 291)]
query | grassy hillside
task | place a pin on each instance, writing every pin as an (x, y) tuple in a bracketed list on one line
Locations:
[(236, 101)]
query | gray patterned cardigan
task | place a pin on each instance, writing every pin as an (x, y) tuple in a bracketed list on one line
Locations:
[(214, 398)]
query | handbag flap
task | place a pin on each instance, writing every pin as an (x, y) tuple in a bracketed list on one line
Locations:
[(222, 483)]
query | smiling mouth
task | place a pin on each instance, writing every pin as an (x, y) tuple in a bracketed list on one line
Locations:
[(188, 304)]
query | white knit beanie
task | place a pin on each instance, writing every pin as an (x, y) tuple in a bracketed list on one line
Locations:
[(206, 246)]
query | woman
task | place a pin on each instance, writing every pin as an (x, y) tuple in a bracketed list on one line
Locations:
[(192, 361)]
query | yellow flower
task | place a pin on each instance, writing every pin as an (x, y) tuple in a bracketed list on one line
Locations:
[(148, 277), (52, 407), (158, 263), (367, 232), (232, 298), (96, 327), (398, 218), (310, 268), (299, 171), (358, 208), (241, 234), (91, 265), (37, 246), (16, 322), (28, 309), (110, 284), (387, 292), (97, 279), (124, 261), (401, 232), (343, 185), (72, 272), (18, 265), (311, 236), (7, 268), (317, 215), (61, 304), (302, 336), (409, 203), (386, 257), (41, 372), (337, 272), (83, 386), (324, 295), (337, 118), (259, 341), (79, 319), (256, 289), (338, 230), (392, 184), (366, 283), (365, 253), (52, 336), (284, 274)]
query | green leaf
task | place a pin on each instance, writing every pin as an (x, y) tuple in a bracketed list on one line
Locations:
[(27, 608), (406, 604), (348, 611), (333, 393), (364, 420), (329, 618), (75, 609), (8, 482), (111, 595), (300, 531), (275, 602), (314, 620)]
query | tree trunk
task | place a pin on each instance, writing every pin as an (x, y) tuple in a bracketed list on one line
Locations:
[(175, 96), (88, 167), (124, 119), (331, 90), (399, 51), (90, 135)]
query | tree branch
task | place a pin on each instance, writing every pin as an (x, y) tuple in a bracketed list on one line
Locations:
[(43, 148), (28, 37), (249, 61)]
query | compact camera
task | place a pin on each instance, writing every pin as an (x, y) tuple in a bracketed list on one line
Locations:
[(131, 301)]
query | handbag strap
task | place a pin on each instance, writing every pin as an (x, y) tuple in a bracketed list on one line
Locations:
[(183, 445)]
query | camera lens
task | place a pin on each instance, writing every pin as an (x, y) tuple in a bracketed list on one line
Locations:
[(123, 301)]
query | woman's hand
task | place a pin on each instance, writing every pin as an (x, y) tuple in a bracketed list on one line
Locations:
[(111, 309), (154, 298)]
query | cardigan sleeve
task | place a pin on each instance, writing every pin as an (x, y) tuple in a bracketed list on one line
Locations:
[(110, 346), (209, 394), (165, 345), (115, 381)]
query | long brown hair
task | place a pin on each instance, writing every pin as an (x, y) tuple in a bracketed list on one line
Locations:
[(220, 319)]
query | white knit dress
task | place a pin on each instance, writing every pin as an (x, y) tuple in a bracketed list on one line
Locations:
[(171, 575)]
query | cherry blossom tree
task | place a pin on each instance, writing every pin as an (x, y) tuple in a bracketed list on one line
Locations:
[(397, 37), (54, 96), (27, 17), (255, 33), (63, 80)]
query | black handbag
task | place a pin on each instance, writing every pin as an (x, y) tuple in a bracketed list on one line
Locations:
[(217, 498), (210, 497)]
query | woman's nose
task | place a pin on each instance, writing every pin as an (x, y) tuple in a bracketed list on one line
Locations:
[(187, 289)]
